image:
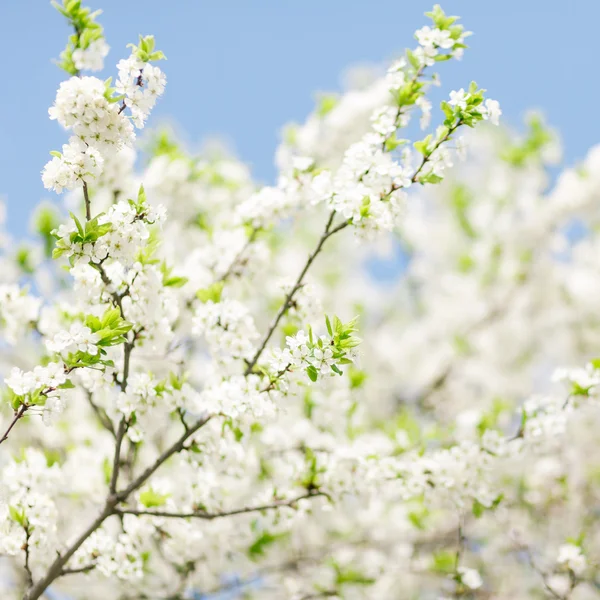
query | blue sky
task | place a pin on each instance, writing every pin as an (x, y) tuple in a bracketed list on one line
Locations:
[(243, 68)]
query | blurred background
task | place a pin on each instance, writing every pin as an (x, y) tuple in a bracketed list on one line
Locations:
[(240, 70)]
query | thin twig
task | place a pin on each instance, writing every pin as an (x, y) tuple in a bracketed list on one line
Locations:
[(56, 568), (217, 515), (88, 204), (85, 569), (18, 414), (178, 446), (101, 414), (238, 256), (27, 556), (288, 299)]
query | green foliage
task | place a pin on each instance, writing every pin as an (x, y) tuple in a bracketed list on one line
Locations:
[(170, 280), (326, 103), (18, 516), (444, 562), (439, 18), (151, 499), (87, 30), (489, 420), (212, 293), (341, 341), (145, 49), (88, 233), (357, 377), (45, 220), (111, 328), (23, 258), (478, 509), (530, 149), (460, 201), (263, 542), (162, 144), (348, 575)]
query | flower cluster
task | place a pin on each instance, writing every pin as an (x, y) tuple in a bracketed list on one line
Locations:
[(228, 328), (89, 108), (79, 338), (321, 356), (77, 164), (35, 386), (18, 310), (84, 105), (117, 234), (266, 206), (87, 47), (199, 427), (139, 82), (29, 519), (92, 57), (368, 187)]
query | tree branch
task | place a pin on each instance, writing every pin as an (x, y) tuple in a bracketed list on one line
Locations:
[(88, 204), (101, 414), (56, 568), (288, 299), (238, 256), (217, 515), (18, 414), (178, 446)]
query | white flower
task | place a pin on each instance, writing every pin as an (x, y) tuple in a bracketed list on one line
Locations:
[(425, 106), (458, 98), (81, 107), (78, 338), (470, 577), (141, 84), (92, 57), (573, 558), (76, 165), (492, 111)]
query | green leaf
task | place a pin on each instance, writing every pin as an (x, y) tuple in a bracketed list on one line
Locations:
[(107, 470), (444, 562), (151, 499), (211, 293), (312, 373), (18, 516), (335, 369), (78, 225), (262, 543), (357, 377), (326, 103), (477, 509), (351, 576)]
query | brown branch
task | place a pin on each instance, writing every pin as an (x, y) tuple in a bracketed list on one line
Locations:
[(238, 256), (85, 569), (56, 568), (178, 446), (299, 282), (217, 515), (27, 556), (88, 204), (18, 415), (439, 143), (101, 414)]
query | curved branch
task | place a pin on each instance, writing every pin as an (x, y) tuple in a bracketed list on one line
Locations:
[(299, 282), (217, 515), (18, 415)]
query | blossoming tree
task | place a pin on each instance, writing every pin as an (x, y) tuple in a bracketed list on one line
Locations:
[(184, 414)]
